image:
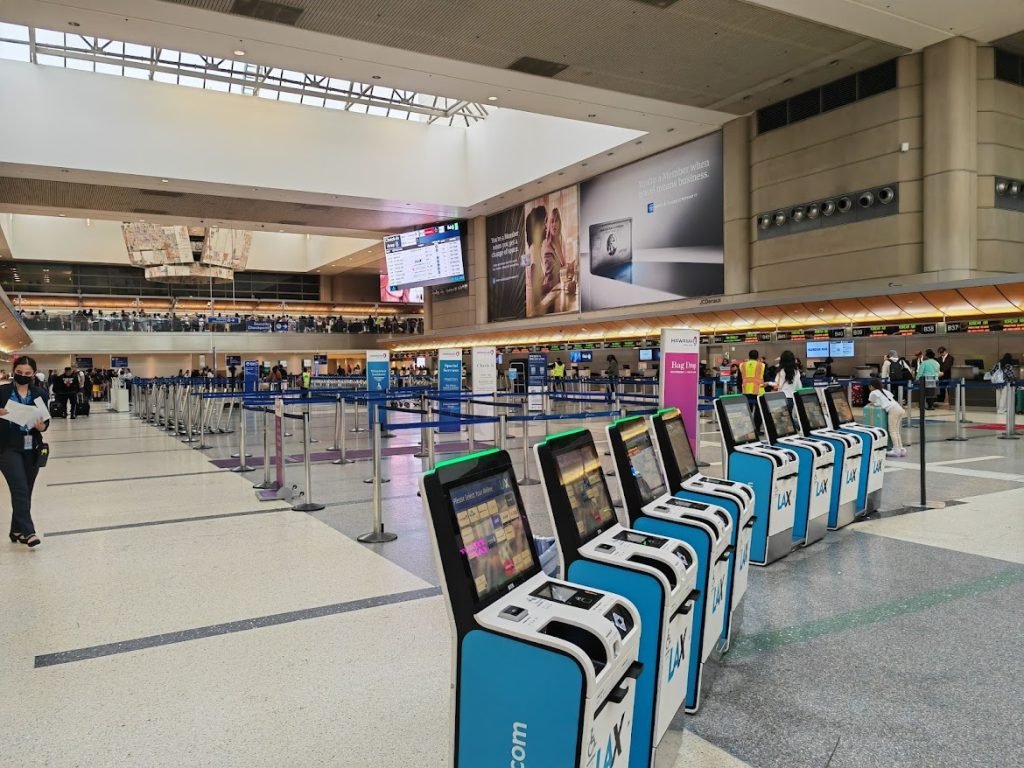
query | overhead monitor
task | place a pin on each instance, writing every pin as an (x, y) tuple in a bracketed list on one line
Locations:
[(738, 419), (421, 361), (429, 256), (778, 419), (839, 406), (492, 534), (646, 355), (817, 350), (676, 452), (401, 296), (808, 408), (841, 348), (642, 480), (580, 501), (581, 356)]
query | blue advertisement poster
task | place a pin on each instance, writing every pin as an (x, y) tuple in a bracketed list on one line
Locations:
[(449, 379), (536, 379), (378, 379), (252, 375)]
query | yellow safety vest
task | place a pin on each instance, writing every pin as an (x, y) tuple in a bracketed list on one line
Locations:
[(752, 373), (558, 371), (305, 379)]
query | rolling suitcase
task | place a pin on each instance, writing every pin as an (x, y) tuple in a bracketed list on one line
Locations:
[(876, 417), (55, 410), (83, 405), (1019, 403)]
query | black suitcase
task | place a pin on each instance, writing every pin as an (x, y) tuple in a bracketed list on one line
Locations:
[(55, 410), (83, 406)]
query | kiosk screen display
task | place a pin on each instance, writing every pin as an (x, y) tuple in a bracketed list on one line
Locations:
[(492, 538), (681, 447), (842, 406), (737, 413), (580, 473), (812, 410), (643, 463), (782, 419)]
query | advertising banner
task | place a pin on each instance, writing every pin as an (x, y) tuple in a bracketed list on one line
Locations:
[(449, 379), (485, 384), (680, 372), (536, 377), (533, 258), (653, 230)]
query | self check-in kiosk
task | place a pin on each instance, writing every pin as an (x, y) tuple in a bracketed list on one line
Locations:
[(817, 467), (875, 441), (848, 451), (771, 471), (706, 527), (685, 481), (544, 671), (655, 573)]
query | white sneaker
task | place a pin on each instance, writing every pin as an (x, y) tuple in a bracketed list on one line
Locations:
[(893, 454), (903, 452)]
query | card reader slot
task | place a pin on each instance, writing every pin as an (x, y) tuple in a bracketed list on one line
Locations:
[(589, 643), (658, 566)]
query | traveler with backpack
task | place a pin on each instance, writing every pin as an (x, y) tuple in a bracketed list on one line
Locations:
[(1003, 373), (896, 370)]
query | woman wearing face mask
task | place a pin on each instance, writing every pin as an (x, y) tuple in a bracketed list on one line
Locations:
[(19, 449)]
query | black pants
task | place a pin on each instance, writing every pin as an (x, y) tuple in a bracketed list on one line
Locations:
[(941, 396), (19, 470), (755, 412), (68, 397)]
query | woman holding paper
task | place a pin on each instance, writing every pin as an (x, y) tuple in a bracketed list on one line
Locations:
[(19, 446)]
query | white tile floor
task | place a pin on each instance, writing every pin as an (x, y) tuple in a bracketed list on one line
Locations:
[(363, 688)]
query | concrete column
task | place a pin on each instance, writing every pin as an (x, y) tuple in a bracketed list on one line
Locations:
[(428, 311), (737, 226), (950, 157), (477, 260)]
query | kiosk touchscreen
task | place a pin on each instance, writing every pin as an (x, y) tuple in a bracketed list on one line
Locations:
[(705, 527), (817, 466), (874, 440), (848, 450), (657, 574), (771, 471), (544, 671), (686, 482)]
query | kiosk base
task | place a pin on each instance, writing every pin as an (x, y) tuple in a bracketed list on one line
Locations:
[(816, 530), (779, 545), (669, 750), (845, 515), (873, 502)]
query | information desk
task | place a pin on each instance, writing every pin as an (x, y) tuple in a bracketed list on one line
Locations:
[(657, 574), (817, 466), (685, 481), (874, 439), (705, 527), (770, 470), (544, 671), (848, 450)]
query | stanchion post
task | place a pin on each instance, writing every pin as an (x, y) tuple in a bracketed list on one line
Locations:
[(242, 455), (921, 460), (526, 479), (1011, 413), (472, 428), (357, 428), (342, 447), (374, 416), (306, 409), (189, 436), (267, 483), (203, 445), (338, 407), (958, 415), (378, 535), (308, 505), (431, 450), (422, 452)]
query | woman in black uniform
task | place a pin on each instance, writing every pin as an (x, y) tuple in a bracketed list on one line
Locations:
[(19, 448)]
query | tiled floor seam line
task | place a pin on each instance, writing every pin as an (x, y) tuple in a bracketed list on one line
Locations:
[(169, 521), (138, 477), (800, 633), (116, 453), (215, 630)]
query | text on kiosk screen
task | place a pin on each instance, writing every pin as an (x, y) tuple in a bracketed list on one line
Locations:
[(812, 410), (737, 412), (778, 408), (643, 464), (580, 473), (492, 537), (681, 446), (842, 406)]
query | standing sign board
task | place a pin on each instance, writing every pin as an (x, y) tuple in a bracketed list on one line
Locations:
[(536, 379), (252, 376), (378, 380), (449, 379), (485, 384), (680, 371)]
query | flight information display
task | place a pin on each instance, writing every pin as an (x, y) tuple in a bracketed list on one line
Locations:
[(580, 473), (817, 350), (812, 410), (492, 537), (842, 406), (430, 256), (737, 414), (681, 447), (643, 464), (840, 348)]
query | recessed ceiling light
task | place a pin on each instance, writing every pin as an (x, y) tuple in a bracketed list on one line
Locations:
[(165, 181), (583, 165), (561, 173), (62, 215), (238, 52), (610, 154), (492, 98), (376, 77), (638, 142), (592, 114), (74, 24)]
